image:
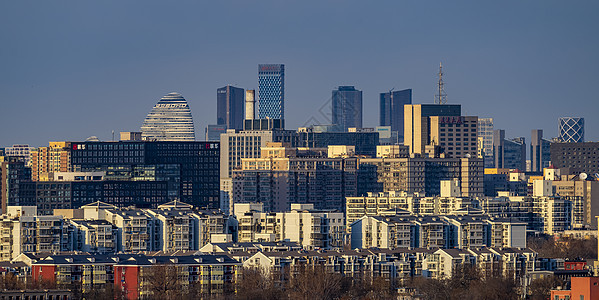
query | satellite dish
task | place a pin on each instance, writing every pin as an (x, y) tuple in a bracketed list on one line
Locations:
[(583, 176)]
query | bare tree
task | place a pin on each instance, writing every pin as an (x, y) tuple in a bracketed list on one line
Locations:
[(314, 282), (162, 282)]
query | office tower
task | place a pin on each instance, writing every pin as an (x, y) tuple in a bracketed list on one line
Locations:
[(250, 104), (485, 143), (229, 107), (392, 110), (271, 91), (169, 120), (577, 157), (539, 151), (188, 170), (213, 132), (347, 107), (509, 154), (440, 125), (571, 130)]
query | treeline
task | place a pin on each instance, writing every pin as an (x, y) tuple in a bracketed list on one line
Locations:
[(314, 283), (564, 247)]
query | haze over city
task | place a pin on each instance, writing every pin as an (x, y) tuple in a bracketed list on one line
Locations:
[(75, 69)]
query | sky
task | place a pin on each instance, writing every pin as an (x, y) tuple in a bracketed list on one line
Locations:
[(73, 69)]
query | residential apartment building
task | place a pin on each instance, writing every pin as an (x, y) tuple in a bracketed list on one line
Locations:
[(311, 228), (285, 175), (47, 160), (413, 231), (420, 175)]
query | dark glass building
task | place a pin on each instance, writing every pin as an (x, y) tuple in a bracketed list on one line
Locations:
[(347, 107), (271, 91), (365, 142), (190, 169), (16, 185), (578, 157), (230, 102), (392, 109), (539, 151)]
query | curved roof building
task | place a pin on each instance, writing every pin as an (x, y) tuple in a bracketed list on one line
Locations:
[(169, 120)]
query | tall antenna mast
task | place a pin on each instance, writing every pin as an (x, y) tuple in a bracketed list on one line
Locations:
[(441, 97)]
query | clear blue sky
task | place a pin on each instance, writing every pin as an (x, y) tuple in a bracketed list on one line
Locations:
[(72, 69)]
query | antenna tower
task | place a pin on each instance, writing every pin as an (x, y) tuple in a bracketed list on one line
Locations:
[(441, 97)]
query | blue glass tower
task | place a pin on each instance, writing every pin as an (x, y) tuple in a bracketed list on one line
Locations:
[(271, 91)]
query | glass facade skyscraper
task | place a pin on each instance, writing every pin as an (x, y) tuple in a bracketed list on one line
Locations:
[(347, 107), (169, 120), (392, 110), (229, 107), (271, 91), (571, 130)]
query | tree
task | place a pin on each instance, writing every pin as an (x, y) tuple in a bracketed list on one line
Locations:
[(314, 282), (162, 282), (540, 289), (254, 284)]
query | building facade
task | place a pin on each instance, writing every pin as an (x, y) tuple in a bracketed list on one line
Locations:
[(571, 130), (347, 107), (169, 120), (577, 157), (509, 154), (540, 151), (271, 91), (230, 102), (392, 110)]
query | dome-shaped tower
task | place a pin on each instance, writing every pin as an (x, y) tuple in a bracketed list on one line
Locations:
[(169, 120)]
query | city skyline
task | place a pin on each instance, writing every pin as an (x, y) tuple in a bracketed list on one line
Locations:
[(502, 61)]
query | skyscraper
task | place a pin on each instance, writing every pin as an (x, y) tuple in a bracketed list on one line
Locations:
[(271, 91), (509, 154), (169, 120), (539, 151), (229, 107), (347, 107), (571, 130), (392, 110), (485, 140)]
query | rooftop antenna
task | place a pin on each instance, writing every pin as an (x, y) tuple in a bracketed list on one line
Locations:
[(441, 97)]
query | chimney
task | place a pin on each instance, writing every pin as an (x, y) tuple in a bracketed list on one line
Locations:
[(250, 103)]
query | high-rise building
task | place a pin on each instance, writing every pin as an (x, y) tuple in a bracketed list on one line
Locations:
[(485, 137), (283, 175), (539, 151), (509, 154), (47, 160), (392, 110), (271, 91), (440, 125), (571, 130), (229, 107), (169, 120), (347, 107), (419, 175)]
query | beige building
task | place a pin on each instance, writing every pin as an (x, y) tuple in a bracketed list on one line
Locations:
[(311, 228), (284, 175), (47, 160), (422, 175), (440, 125)]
